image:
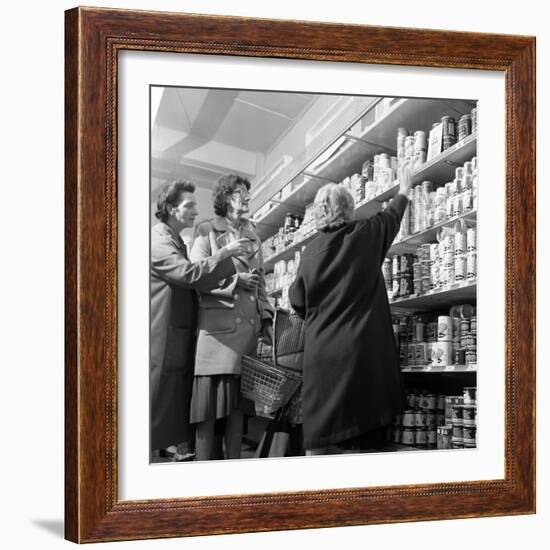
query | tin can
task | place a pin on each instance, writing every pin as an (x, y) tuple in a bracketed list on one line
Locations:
[(420, 418), (398, 419), (456, 414), (407, 436), (460, 267), (442, 354), (430, 401), (470, 395), (434, 252), (444, 434), (432, 438), (469, 435), (426, 284), (420, 141), (465, 324), (469, 415), (444, 328), (405, 286), (421, 353), (411, 402), (464, 126), (421, 437), (402, 133), (471, 244), (449, 126), (459, 172), (457, 443), (408, 418), (473, 114), (417, 270), (410, 354), (427, 187), (458, 432), (473, 325), (448, 142), (440, 418), (460, 356), (387, 272), (367, 170), (471, 265), (470, 357), (406, 263), (457, 204), (450, 402), (441, 403), (468, 168), (460, 242), (434, 276), (396, 267), (467, 200)]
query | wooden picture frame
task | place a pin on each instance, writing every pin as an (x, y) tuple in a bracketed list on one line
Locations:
[(94, 37)]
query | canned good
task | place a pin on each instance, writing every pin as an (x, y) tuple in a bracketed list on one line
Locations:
[(465, 324), (441, 403), (468, 168), (467, 200), (432, 438), (460, 242), (367, 170), (420, 418), (410, 354), (440, 418), (430, 401), (460, 267), (426, 284), (459, 172), (405, 285), (457, 431), (431, 420), (408, 418), (421, 353), (469, 415), (444, 434), (471, 244), (450, 402), (460, 358), (407, 436), (473, 115), (396, 267), (456, 414), (449, 126), (458, 443), (473, 325), (470, 395), (417, 270), (387, 272), (420, 141), (464, 127), (421, 438), (471, 265), (434, 276), (411, 401), (448, 142), (469, 435), (431, 331), (444, 328), (442, 353), (457, 204)]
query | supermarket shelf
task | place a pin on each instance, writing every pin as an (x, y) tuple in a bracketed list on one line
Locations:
[(444, 368), (348, 157), (441, 168), (434, 299), (411, 243), (287, 253)]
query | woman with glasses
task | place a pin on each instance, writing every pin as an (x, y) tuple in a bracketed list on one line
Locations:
[(231, 318)]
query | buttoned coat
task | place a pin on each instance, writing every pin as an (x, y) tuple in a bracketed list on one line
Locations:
[(230, 317), (352, 381), (174, 307)]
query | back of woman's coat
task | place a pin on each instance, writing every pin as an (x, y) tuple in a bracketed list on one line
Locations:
[(174, 307), (352, 378)]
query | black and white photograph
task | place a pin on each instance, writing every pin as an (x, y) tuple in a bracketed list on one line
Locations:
[(313, 274)]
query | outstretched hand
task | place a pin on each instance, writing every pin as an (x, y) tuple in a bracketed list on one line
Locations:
[(405, 179)]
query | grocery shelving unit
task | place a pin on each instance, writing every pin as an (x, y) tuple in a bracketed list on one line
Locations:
[(344, 157)]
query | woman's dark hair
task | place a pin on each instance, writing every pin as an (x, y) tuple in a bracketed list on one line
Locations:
[(170, 195), (225, 187)]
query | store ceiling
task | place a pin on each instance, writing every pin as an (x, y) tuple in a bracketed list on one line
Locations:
[(201, 134)]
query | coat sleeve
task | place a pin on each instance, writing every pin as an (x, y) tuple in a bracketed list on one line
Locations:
[(297, 294), (170, 264), (389, 221), (202, 250)]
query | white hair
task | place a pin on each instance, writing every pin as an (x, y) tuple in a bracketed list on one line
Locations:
[(333, 207)]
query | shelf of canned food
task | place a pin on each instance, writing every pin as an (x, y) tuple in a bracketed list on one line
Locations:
[(430, 210), (437, 298), (377, 139)]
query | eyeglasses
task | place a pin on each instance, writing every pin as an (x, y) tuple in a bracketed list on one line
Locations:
[(243, 194)]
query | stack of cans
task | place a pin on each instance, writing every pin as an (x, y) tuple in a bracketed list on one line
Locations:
[(449, 132), (464, 126)]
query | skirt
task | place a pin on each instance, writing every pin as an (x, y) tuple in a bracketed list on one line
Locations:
[(215, 396)]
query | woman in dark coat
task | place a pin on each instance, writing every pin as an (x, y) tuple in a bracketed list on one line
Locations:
[(174, 307), (352, 379)]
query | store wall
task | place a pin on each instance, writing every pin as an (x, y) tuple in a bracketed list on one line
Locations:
[(32, 275)]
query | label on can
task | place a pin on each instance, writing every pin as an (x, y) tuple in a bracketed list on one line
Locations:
[(469, 434), (470, 395), (421, 437), (460, 267), (444, 328), (471, 244), (444, 437), (407, 436), (408, 418), (471, 265), (456, 415), (460, 243)]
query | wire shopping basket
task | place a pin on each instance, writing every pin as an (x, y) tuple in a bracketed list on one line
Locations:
[(271, 379)]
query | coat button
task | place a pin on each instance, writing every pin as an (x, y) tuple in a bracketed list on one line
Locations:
[(220, 283), (236, 296), (251, 321), (251, 298), (238, 320)]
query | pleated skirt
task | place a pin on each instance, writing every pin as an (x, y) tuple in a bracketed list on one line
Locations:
[(215, 396)]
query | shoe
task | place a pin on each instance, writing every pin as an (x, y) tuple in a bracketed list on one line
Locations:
[(175, 455)]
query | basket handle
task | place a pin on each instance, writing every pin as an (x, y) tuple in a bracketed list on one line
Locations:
[(273, 343)]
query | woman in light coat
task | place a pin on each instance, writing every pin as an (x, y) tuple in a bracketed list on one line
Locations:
[(231, 318)]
